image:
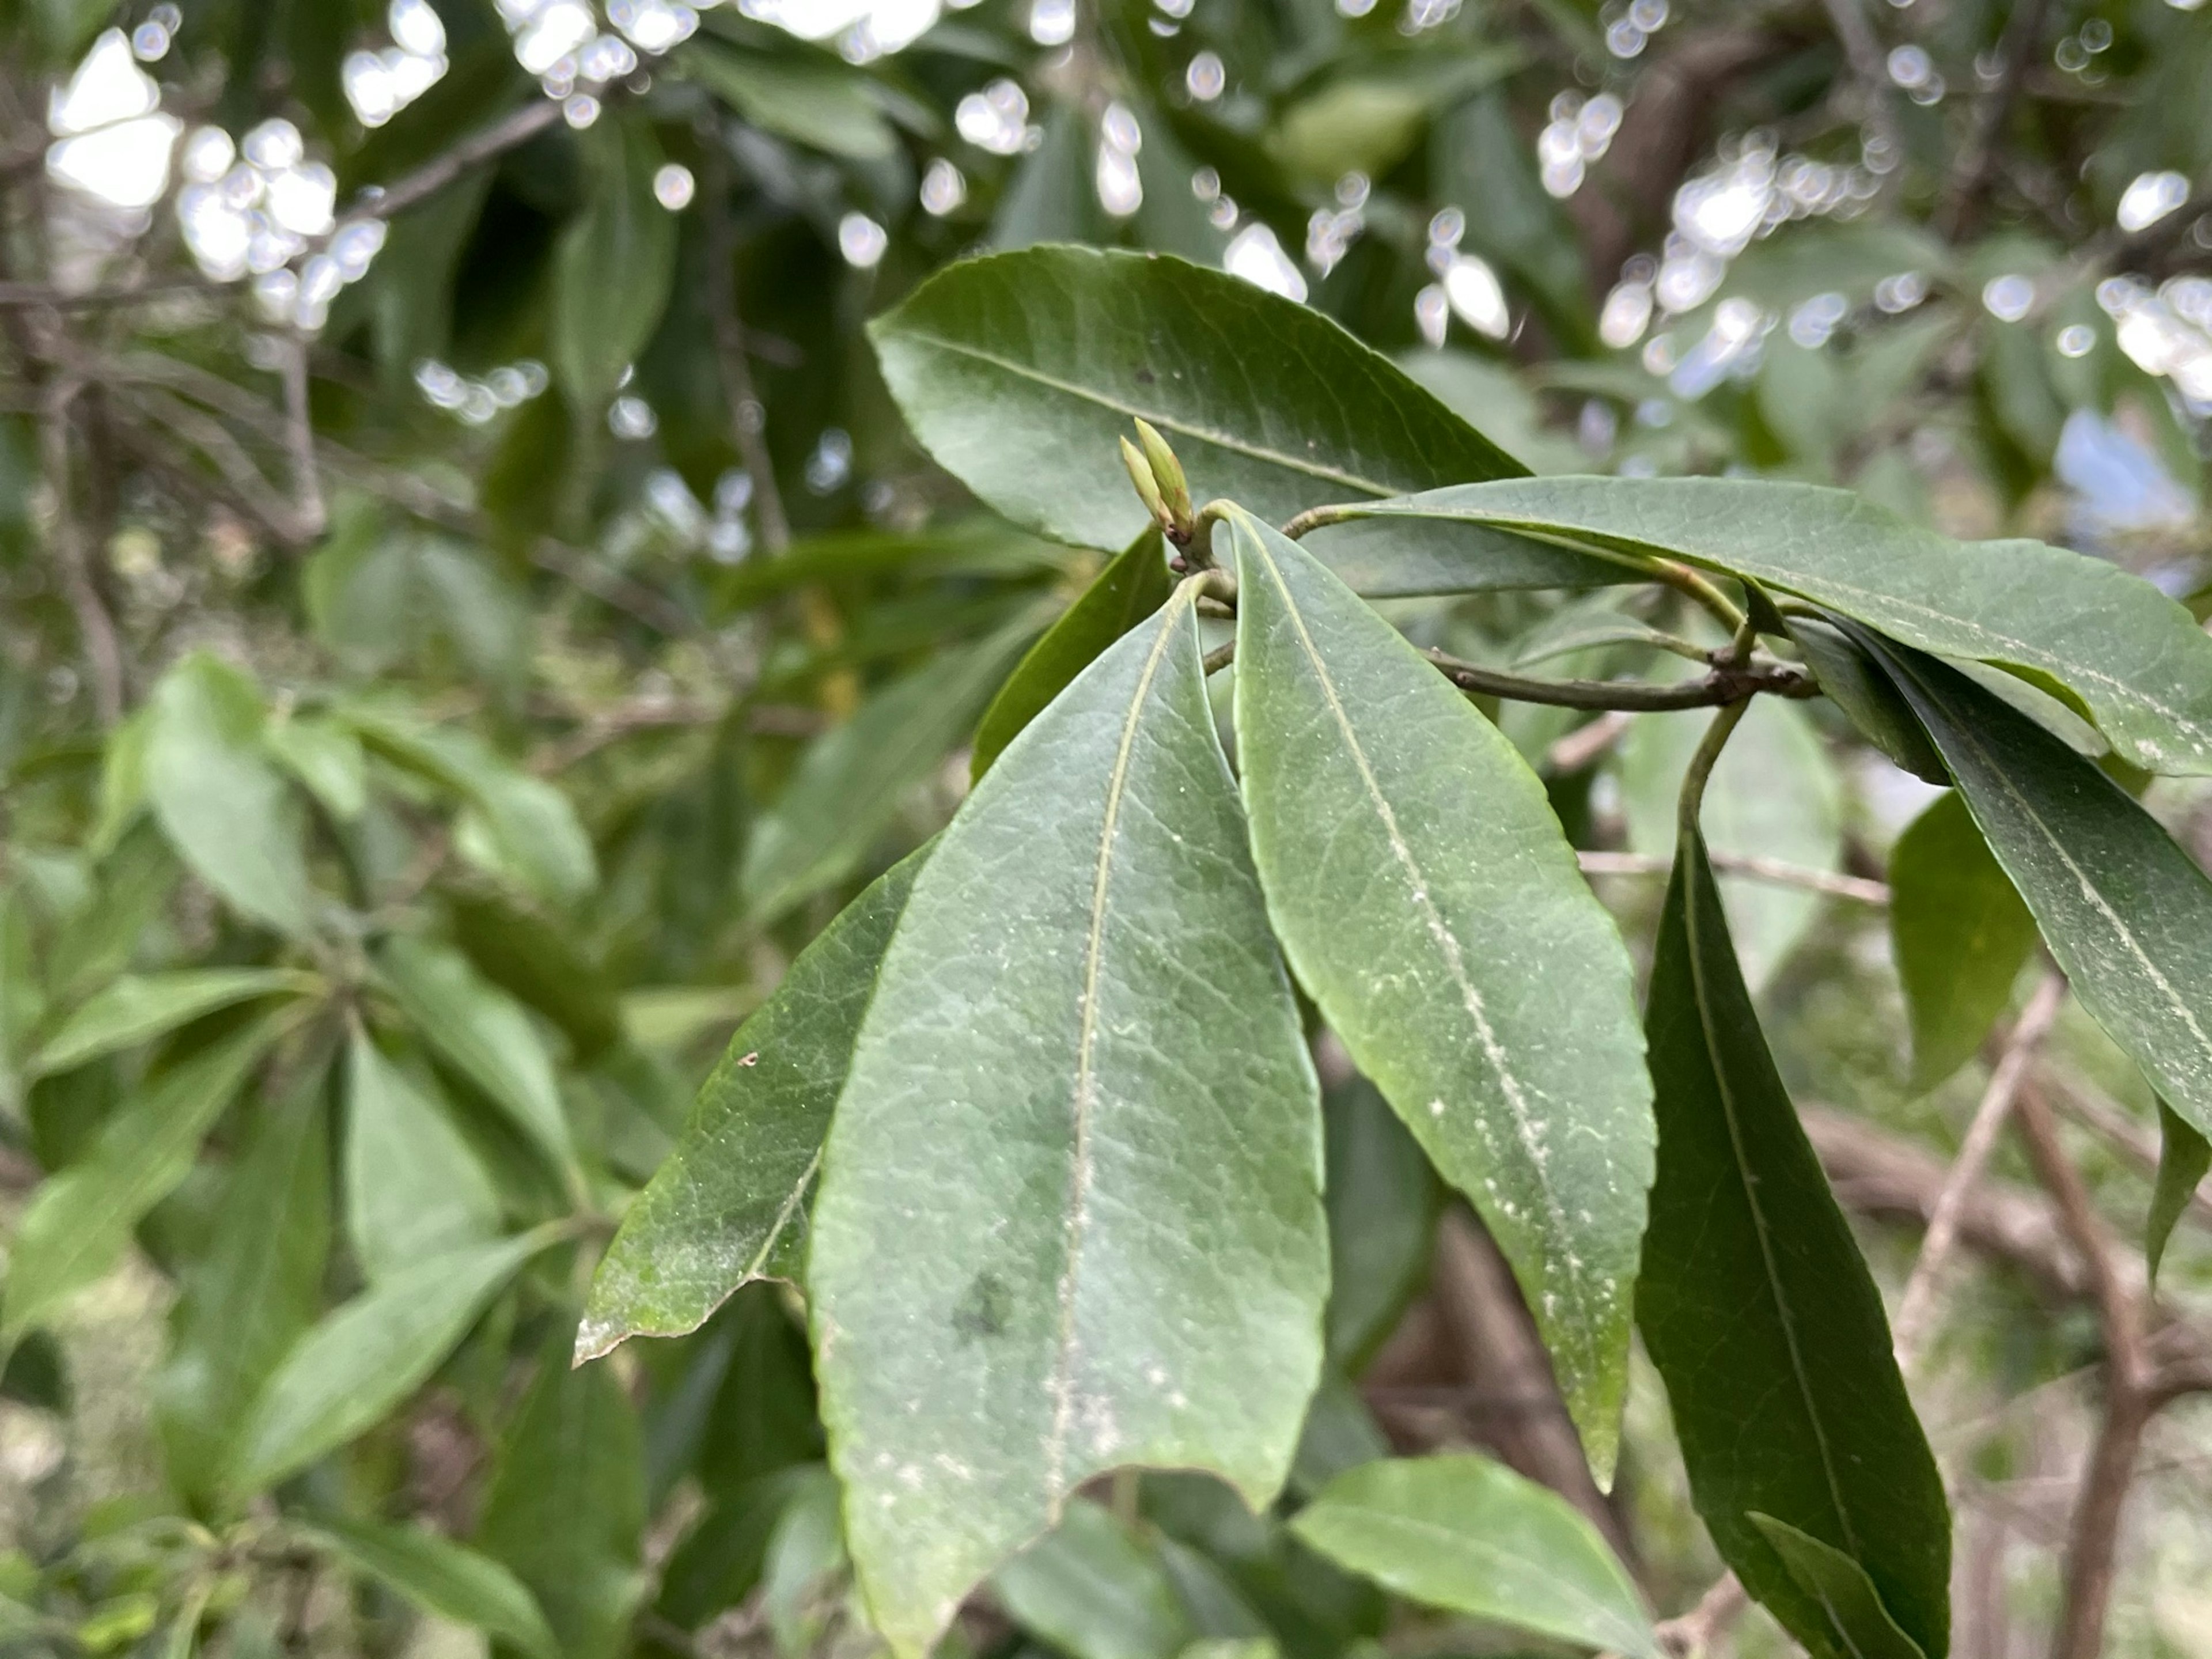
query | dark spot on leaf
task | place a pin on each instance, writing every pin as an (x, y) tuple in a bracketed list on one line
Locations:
[(984, 1308), (1145, 377)]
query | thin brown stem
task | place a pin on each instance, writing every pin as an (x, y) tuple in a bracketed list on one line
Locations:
[(1695, 1632), (1721, 686), (103, 650), (748, 415), (1855, 888), (309, 516), (1978, 156), (511, 131)]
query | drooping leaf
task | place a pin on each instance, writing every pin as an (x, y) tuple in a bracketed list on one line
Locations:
[(442, 1576), (138, 1008), (413, 1187), (1020, 373), (1961, 935), (366, 1357), (1431, 906), (2184, 1157), (729, 1205), (850, 783), (1466, 1534), (821, 104), (566, 1509), (1858, 1624), (225, 808), (483, 1034), (1855, 684), (1093, 1591), (259, 1286), (2127, 913), (1760, 1311), (1128, 590), (1082, 1089), (80, 1220), (613, 266), (2133, 657), (1383, 1201)]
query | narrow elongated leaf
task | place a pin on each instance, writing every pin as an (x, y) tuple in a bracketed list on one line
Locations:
[(1094, 1591), (1467, 1534), (224, 807), (2127, 913), (327, 758), (729, 1206), (484, 1034), (1856, 685), (1430, 904), (2184, 1157), (1858, 1624), (80, 1221), (1020, 373), (138, 1008), (612, 267), (2135, 658), (257, 1289), (822, 103), (444, 1577), (413, 1189), (1128, 590), (1383, 1201), (1961, 935), (1760, 1312), (565, 1510), (1082, 1091), (366, 1357), (849, 785)]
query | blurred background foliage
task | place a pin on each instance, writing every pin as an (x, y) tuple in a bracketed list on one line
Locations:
[(469, 612)]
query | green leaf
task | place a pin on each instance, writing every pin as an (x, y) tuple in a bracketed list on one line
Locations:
[(1775, 794), (1094, 1590), (1082, 1090), (229, 813), (256, 1288), (442, 1576), (805, 1567), (366, 1357), (1383, 1201), (1020, 371), (613, 266), (2184, 1157), (820, 104), (138, 1008), (79, 1221), (1858, 1623), (484, 1034), (1128, 590), (2127, 913), (1960, 934), (565, 1510), (1863, 692), (1759, 1309), (1392, 824), (413, 1187), (850, 783), (729, 1205), (1469, 1535), (1050, 197), (327, 758), (2136, 660)]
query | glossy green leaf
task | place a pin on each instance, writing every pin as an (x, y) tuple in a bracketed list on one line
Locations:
[(1093, 1591), (1855, 684), (366, 1357), (225, 808), (1128, 590), (2124, 909), (1022, 371), (2134, 657), (1082, 1090), (442, 1576), (1960, 934), (413, 1187), (256, 1288), (1466, 1534), (613, 264), (1858, 1624), (1382, 1202), (1429, 905), (851, 782), (1775, 794), (821, 104), (80, 1220), (484, 1034), (2184, 1157), (1760, 1311), (138, 1008), (566, 1507), (729, 1205)]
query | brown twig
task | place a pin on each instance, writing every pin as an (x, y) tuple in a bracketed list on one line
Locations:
[(309, 516), (748, 415), (1856, 888), (1978, 156), (1909, 1329), (2076, 1097), (1720, 686), (103, 652), (511, 131), (1870, 67), (1695, 1632)]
